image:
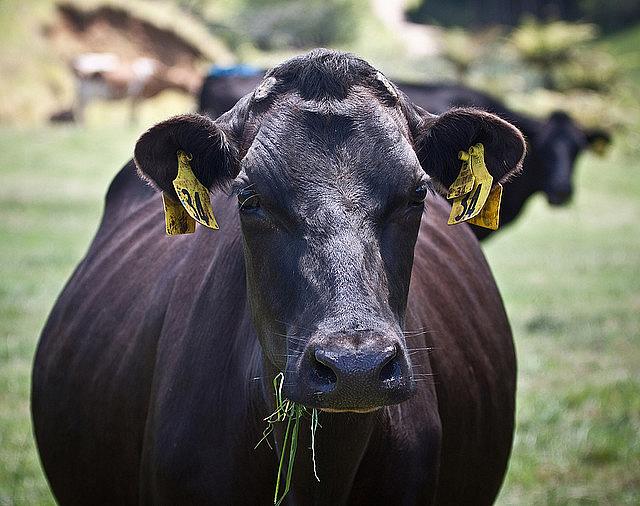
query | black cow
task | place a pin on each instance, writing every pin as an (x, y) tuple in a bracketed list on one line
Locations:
[(554, 143), (224, 86), (333, 265)]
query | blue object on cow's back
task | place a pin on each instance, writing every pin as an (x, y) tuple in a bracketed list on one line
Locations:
[(241, 70)]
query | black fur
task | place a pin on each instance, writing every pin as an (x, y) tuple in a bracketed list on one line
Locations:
[(326, 78)]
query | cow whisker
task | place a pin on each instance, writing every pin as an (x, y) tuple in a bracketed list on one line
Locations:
[(287, 336), (422, 330), (289, 324), (414, 352)]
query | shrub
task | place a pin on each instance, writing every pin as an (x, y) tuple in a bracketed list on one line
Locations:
[(273, 24)]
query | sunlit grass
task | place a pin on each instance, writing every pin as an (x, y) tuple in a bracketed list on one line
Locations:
[(571, 285), (53, 184)]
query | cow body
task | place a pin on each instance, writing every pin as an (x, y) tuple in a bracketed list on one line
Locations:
[(151, 383)]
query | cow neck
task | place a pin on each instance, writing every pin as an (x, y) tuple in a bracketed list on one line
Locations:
[(340, 446)]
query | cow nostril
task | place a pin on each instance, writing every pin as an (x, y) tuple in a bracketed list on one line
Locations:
[(390, 369), (323, 372)]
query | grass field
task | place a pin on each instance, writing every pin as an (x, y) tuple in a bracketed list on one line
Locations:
[(53, 181)]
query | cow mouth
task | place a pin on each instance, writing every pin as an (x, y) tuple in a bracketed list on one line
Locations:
[(350, 410), (558, 199)]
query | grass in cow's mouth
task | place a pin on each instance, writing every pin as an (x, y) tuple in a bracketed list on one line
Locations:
[(292, 413)]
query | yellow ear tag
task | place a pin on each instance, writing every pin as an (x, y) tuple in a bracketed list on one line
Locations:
[(177, 220), (465, 180), (468, 205), (489, 217), (193, 195)]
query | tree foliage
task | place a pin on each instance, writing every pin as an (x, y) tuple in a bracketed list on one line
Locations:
[(277, 24), (475, 13), (559, 51)]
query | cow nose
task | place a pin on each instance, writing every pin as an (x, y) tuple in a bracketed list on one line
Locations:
[(371, 366), (357, 379), (559, 196)]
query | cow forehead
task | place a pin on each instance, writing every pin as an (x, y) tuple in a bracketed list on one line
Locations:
[(563, 131), (356, 139)]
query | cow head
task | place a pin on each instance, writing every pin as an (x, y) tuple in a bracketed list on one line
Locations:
[(559, 143), (332, 169)]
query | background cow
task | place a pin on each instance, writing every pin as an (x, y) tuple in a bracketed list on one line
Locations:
[(104, 76), (554, 143), (154, 372), (225, 85)]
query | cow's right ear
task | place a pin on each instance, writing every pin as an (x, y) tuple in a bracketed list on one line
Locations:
[(439, 139), (213, 155)]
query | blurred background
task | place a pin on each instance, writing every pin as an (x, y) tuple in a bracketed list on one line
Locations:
[(80, 80)]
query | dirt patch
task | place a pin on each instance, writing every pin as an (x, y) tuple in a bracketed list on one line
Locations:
[(116, 29)]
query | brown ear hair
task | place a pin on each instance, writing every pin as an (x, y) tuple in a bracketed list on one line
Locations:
[(439, 139), (214, 156)]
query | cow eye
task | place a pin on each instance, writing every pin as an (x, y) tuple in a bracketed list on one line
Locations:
[(248, 198), (419, 194)]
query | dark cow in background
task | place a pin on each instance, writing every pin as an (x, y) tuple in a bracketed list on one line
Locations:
[(554, 143), (333, 265), (225, 85)]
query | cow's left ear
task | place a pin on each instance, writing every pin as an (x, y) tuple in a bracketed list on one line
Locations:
[(212, 154), (598, 140), (439, 139)]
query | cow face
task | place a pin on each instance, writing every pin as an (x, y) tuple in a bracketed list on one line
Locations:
[(332, 170), (559, 143)]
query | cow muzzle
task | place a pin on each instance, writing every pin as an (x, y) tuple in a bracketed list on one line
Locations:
[(334, 375), (559, 197)]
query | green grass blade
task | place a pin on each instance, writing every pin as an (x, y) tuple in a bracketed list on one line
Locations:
[(293, 446), (281, 465), (293, 414), (314, 426)]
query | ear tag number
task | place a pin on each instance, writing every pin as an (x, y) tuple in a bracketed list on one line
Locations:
[(465, 180), (177, 220), (489, 217), (193, 195), (468, 203)]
